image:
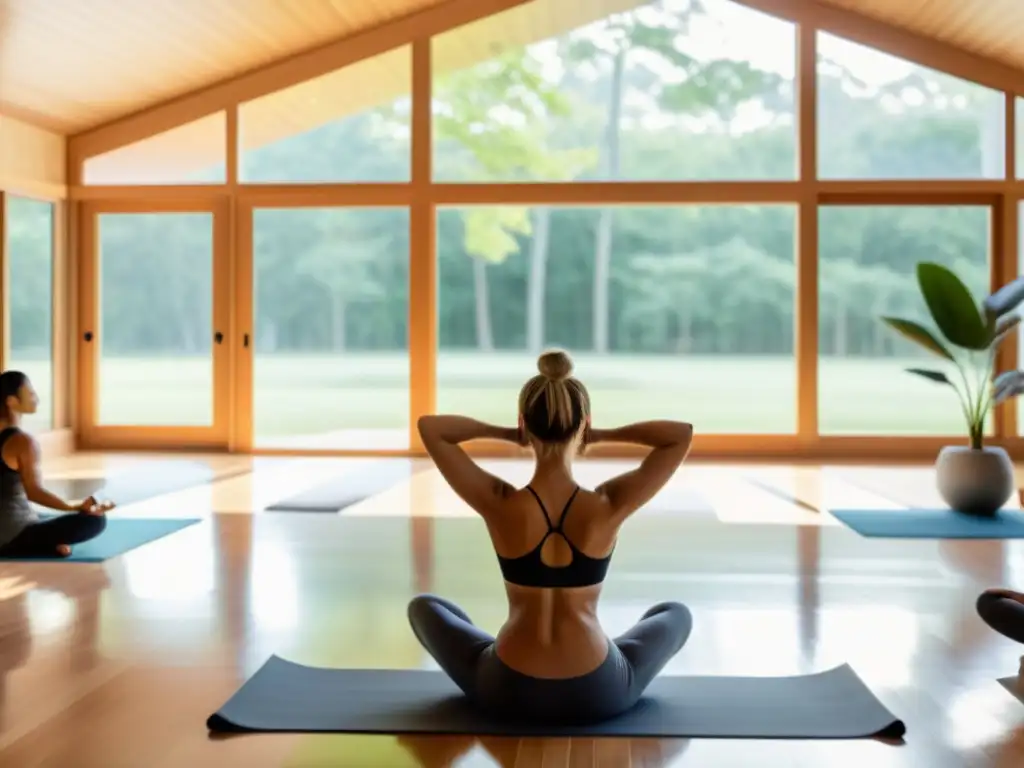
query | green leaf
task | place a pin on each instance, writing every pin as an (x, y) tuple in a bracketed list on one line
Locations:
[(937, 376), (919, 334), (952, 307)]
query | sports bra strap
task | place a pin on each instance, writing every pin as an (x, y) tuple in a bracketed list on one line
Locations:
[(552, 528), (543, 509), (565, 511)]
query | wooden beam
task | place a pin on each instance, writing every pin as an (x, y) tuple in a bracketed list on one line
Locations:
[(282, 74), (806, 304), (422, 331), (603, 193)]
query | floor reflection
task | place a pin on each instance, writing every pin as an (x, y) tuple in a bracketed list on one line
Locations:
[(128, 657)]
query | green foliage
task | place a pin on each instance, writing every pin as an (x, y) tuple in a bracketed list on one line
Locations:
[(490, 232), (954, 311), (700, 280), (919, 334), (952, 307)]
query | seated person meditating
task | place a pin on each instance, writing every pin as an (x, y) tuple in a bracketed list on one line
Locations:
[(22, 533), (1003, 610), (551, 662)]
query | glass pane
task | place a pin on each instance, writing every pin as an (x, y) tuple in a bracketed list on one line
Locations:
[(345, 126), (880, 117), (194, 153), (156, 319), (556, 91), (867, 270), (331, 327), (1020, 268), (30, 288), (669, 311), (1020, 138)]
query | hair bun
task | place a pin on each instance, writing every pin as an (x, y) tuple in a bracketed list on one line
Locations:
[(555, 365)]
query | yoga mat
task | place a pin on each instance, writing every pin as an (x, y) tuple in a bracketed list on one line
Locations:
[(141, 482), (121, 535), (931, 524), (351, 487), (148, 480), (287, 697)]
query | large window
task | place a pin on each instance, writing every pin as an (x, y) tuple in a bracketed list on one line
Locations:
[(1020, 137), (346, 126), (155, 364), (30, 290), (880, 117), (670, 311), (868, 259), (553, 91), (194, 153), (331, 327)]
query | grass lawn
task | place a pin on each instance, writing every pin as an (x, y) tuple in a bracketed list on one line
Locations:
[(302, 395)]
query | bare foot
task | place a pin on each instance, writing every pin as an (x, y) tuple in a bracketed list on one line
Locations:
[(63, 550)]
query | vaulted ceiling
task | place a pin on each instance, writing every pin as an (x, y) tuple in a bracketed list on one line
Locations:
[(70, 65)]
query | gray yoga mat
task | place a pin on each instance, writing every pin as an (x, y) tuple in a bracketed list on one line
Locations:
[(359, 482), (287, 697), (140, 482)]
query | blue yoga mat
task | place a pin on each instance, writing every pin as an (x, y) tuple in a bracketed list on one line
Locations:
[(931, 524), (122, 534)]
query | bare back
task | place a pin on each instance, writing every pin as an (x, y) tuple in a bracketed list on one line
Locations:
[(552, 629), (553, 632)]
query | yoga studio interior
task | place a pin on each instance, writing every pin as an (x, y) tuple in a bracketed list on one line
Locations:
[(511, 383)]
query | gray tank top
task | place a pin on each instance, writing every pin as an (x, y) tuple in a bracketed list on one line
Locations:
[(15, 511)]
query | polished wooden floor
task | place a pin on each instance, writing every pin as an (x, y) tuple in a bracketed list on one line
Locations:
[(118, 665)]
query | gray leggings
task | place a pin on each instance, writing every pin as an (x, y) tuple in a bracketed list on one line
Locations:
[(1004, 615), (466, 654)]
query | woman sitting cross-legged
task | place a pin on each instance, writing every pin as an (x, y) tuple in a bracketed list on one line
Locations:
[(551, 661), (1003, 610), (22, 533)]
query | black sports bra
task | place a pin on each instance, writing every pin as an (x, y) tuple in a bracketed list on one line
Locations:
[(530, 571)]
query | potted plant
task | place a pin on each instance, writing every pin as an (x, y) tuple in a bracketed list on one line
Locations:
[(974, 479)]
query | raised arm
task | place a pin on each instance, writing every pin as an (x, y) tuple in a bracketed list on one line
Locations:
[(670, 443), (26, 452), (442, 437)]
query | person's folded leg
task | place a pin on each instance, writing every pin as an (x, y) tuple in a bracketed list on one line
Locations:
[(657, 637), (448, 635), (42, 539)]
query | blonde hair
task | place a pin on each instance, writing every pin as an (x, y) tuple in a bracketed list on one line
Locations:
[(553, 404)]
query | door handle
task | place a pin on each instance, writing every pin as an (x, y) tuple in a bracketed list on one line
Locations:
[(88, 336), (245, 340), (218, 337)]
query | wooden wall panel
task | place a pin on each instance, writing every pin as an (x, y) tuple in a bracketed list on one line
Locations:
[(32, 160)]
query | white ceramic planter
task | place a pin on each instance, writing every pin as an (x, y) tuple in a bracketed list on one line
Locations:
[(975, 481)]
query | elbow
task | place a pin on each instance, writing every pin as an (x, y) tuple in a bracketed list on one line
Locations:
[(425, 425), (684, 435)]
